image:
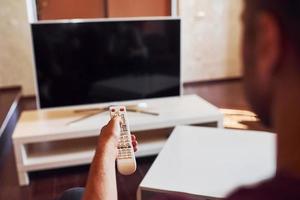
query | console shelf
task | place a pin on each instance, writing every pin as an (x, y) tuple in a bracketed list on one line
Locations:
[(44, 139), (71, 152)]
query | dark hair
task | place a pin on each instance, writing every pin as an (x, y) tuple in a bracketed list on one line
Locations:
[(287, 13)]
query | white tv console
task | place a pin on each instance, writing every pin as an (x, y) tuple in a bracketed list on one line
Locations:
[(44, 139)]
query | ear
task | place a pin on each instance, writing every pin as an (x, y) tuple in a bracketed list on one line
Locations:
[(267, 45)]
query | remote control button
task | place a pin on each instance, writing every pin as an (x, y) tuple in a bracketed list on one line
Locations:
[(128, 151), (123, 118), (124, 127), (123, 137)]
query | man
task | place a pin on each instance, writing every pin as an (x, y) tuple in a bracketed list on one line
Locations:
[(271, 55)]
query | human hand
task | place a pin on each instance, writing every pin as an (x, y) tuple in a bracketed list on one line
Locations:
[(110, 135), (101, 182)]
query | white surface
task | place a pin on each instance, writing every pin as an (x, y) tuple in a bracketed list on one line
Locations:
[(31, 11), (211, 162), (47, 128), (126, 165), (69, 155), (52, 124), (54, 160), (174, 8), (152, 147)]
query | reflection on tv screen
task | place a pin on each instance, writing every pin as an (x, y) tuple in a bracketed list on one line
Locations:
[(104, 61)]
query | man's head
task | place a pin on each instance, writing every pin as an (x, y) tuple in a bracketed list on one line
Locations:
[(271, 35)]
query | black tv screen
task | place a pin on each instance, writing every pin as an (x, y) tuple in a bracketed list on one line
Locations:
[(85, 62)]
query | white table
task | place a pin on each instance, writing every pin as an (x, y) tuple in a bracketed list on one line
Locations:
[(210, 163), (44, 139)]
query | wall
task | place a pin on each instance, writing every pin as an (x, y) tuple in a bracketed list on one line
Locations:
[(211, 34), (15, 46)]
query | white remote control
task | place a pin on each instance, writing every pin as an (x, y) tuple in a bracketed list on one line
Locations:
[(126, 162)]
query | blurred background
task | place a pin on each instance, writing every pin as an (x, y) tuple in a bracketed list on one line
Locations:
[(211, 33)]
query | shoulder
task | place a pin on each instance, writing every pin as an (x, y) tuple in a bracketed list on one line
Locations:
[(278, 188)]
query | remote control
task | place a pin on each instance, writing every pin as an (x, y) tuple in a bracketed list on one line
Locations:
[(126, 162)]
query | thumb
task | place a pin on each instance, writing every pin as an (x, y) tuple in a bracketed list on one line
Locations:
[(113, 127)]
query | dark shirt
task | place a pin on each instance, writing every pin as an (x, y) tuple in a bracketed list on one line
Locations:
[(282, 187)]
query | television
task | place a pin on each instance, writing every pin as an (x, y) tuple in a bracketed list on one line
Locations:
[(95, 61)]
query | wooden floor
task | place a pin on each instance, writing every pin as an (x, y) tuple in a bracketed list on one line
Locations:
[(48, 185)]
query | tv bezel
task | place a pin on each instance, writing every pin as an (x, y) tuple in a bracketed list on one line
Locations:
[(61, 21)]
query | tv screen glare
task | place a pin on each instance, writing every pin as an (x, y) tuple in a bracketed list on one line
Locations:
[(91, 62)]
